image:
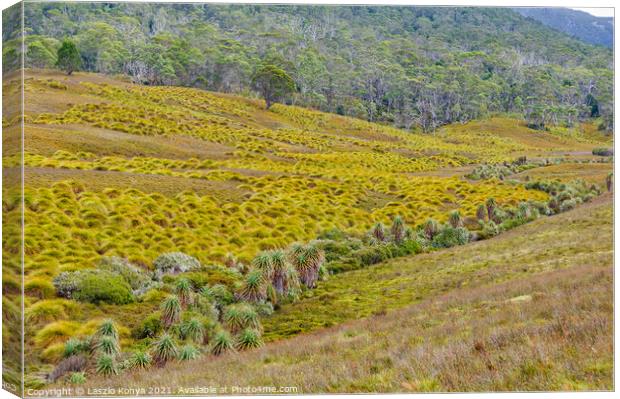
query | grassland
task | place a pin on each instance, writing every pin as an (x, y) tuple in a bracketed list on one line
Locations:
[(114, 169), (527, 310)]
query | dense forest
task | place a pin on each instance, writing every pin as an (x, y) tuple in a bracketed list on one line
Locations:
[(414, 67)]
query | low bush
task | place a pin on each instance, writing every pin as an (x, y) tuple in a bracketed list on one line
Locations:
[(449, 236), (133, 275), (103, 286), (77, 378), (174, 263), (93, 286), (150, 327)]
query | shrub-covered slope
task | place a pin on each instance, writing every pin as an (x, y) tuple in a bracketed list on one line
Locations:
[(178, 209), (528, 310)]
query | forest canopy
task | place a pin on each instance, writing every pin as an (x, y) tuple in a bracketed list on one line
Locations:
[(414, 67)]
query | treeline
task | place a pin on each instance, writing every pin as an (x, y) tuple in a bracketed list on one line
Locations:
[(410, 66)]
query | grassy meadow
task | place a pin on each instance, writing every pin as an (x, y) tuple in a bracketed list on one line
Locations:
[(125, 172)]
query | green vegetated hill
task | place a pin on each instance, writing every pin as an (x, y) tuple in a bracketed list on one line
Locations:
[(530, 310), (420, 67), (589, 28), (203, 224)]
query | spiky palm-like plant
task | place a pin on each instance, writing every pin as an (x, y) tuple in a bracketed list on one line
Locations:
[(108, 328), (222, 342), (193, 329), (398, 230), (140, 360), (525, 211), (378, 232), (248, 339), (431, 228), (107, 345), (455, 219), (77, 378), (189, 352), (170, 311), (254, 288), (307, 260), (72, 347), (164, 349), (106, 365), (292, 285), (183, 290), (262, 262), (240, 316), (491, 204), (481, 213), (279, 266)]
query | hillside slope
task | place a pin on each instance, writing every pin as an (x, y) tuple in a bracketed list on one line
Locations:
[(579, 24), (528, 310), (125, 174)]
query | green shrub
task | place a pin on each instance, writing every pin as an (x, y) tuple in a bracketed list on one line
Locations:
[(489, 229), (218, 293), (174, 263), (333, 235), (102, 286), (375, 254), (512, 223), (150, 327), (133, 275), (336, 250), (449, 236), (77, 378), (211, 275)]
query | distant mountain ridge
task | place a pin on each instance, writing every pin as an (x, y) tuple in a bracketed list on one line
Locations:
[(584, 26)]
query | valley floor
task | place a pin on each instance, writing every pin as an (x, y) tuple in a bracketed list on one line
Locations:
[(531, 309)]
